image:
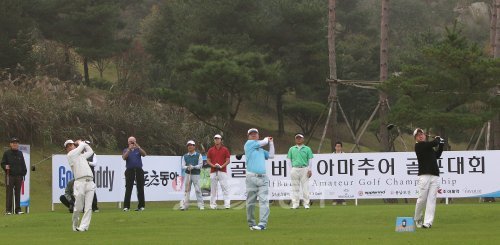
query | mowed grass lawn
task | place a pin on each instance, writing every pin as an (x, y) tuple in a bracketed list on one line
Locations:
[(160, 223)]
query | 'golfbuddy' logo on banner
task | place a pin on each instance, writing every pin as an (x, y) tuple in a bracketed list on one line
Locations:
[(104, 178)]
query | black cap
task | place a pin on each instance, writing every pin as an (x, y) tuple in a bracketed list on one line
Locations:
[(14, 139)]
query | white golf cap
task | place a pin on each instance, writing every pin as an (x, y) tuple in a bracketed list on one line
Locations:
[(299, 135), (252, 130), (67, 142), (217, 136), (417, 130), (191, 142)]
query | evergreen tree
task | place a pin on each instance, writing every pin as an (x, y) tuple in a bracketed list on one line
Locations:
[(212, 83), (16, 37), (449, 89), (90, 27)]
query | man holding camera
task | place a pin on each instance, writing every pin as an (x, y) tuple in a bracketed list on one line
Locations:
[(428, 177), (15, 169), (84, 186), (218, 158), (257, 182), (132, 156)]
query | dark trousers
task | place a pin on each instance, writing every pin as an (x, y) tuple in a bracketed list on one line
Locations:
[(94, 202), (66, 202), (132, 174), (13, 188)]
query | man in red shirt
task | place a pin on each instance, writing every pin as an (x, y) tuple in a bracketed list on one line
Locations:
[(218, 158)]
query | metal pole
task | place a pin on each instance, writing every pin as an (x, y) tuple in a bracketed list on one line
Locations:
[(365, 126), (479, 137), (326, 126), (401, 138)]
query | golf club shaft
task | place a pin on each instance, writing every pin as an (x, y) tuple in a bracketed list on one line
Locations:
[(216, 186), (188, 181), (33, 167)]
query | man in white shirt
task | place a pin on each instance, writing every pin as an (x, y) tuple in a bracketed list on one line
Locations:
[(84, 185)]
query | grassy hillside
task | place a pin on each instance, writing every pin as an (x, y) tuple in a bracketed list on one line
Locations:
[(265, 118), (250, 115)]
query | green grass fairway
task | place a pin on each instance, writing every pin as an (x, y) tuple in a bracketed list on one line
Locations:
[(161, 224)]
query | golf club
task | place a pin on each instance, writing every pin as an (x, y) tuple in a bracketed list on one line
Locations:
[(188, 181), (239, 156), (187, 184), (216, 186), (33, 167), (7, 173)]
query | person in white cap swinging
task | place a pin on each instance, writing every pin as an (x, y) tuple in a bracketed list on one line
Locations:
[(257, 181), (84, 185), (428, 177)]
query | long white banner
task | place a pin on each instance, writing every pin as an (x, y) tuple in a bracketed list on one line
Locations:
[(335, 176)]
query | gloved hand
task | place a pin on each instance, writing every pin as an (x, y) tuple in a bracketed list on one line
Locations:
[(441, 140)]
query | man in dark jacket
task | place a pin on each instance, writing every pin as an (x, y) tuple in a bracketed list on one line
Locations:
[(428, 177), (15, 169)]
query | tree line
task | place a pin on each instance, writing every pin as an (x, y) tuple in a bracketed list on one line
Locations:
[(210, 57)]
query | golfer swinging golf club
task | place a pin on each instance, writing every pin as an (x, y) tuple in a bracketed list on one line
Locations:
[(428, 176), (257, 182), (84, 186), (191, 164)]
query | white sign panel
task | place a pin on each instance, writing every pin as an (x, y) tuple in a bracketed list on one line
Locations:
[(25, 188), (335, 176), (108, 177)]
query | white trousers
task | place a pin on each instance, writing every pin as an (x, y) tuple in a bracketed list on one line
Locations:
[(194, 179), (220, 178), (428, 186), (84, 194), (300, 185)]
